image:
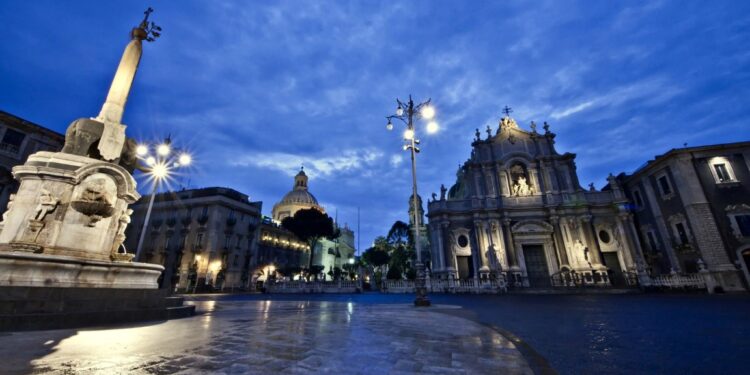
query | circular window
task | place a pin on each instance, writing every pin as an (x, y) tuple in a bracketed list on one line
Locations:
[(463, 241), (604, 236)]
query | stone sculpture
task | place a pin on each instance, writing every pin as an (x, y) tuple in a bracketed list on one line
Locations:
[(47, 204)]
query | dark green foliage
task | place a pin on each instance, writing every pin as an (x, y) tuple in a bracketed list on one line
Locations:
[(310, 225), (376, 257), (394, 273)]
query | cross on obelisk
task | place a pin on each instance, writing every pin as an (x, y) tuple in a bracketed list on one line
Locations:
[(507, 110)]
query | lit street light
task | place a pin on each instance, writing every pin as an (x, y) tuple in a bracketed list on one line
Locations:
[(158, 168), (407, 112)]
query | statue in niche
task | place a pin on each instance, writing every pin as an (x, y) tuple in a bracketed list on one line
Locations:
[(47, 204), (442, 192), (521, 188), (9, 206), (581, 253)]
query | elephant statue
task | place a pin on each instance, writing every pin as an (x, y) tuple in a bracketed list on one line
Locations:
[(82, 138)]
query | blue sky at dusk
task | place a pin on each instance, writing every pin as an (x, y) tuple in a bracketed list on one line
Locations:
[(257, 88)]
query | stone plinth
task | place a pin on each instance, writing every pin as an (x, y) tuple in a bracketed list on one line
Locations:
[(41, 270)]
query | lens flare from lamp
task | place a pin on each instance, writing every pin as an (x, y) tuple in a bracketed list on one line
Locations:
[(428, 112), (185, 159), (432, 127), (408, 134), (163, 149), (399, 111), (389, 125), (159, 171), (150, 160), (141, 150)]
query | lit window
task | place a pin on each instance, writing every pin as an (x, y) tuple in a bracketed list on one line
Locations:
[(721, 169), (721, 172)]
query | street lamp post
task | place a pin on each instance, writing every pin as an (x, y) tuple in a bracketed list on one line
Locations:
[(158, 167), (407, 112)]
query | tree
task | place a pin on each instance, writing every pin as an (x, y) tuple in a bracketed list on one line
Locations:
[(401, 234), (310, 225), (376, 257)]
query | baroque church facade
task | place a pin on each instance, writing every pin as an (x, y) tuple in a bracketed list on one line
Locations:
[(518, 211)]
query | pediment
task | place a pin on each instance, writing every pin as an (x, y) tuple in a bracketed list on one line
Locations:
[(532, 226)]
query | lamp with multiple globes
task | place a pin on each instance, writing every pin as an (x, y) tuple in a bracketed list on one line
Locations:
[(158, 168), (407, 112)]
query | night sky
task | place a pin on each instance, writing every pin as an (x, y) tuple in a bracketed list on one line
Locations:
[(257, 88)]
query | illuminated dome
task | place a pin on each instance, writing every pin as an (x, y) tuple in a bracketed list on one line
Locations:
[(297, 199)]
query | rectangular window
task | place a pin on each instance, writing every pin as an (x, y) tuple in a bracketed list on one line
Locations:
[(205, 211), (236, 261), (664, 186), (14, 138), (652, 241), (637, 198), (722, 173), (743, 222), (227, 239), (166, 243), (199, 241), (682, 233), (231, 214)]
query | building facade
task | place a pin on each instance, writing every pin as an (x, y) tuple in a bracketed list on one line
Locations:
[(517, 210), (330, 254), (205, 238), (20, 138), (692, 209)]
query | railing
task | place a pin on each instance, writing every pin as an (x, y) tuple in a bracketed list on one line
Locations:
[(676, 281), (298, 286), (447, 286)]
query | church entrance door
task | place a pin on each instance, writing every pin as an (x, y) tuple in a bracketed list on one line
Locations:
[(536, 266), (465, 269), (615, 271)]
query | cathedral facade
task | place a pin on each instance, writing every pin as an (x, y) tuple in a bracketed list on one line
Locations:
[(517, 211)]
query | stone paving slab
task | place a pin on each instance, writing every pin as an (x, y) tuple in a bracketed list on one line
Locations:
[(274, 336)]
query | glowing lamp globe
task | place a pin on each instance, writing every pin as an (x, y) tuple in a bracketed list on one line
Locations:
[(428, 112), (141, 150), (163, 149), (432, 127), (408, 134), (185, 159)]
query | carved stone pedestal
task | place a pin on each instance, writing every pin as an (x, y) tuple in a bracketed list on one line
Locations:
[(70, 212)]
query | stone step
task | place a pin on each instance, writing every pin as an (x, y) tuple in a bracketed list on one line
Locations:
[(174, 301), (178, 312)]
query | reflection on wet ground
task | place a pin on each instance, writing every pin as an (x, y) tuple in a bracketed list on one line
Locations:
[(274, 336), (603, 334)]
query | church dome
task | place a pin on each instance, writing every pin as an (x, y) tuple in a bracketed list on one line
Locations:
[(297, 199)]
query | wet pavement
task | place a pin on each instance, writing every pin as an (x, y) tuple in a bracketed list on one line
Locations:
[(258, 336), (607, 334)]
